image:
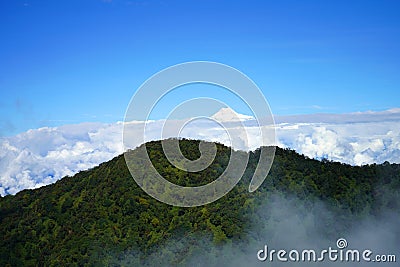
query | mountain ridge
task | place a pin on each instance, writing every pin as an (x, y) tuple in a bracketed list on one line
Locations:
[(86, 218)]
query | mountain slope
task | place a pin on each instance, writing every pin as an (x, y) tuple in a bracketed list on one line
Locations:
[(97, 214)]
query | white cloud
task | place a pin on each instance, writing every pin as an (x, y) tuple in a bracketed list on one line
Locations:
[(42, 156), (353, 143)]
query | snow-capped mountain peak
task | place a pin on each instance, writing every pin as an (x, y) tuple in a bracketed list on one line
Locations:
[(228, 114)]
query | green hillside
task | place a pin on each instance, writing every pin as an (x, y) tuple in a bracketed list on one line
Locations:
[(98, 216)]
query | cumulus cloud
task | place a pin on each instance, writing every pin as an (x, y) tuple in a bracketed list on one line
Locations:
[(42, 156), (353, 143)]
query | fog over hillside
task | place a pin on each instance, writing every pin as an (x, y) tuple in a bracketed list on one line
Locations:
[(288, 223)]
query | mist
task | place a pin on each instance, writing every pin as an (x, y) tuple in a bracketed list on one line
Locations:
[(283, 222)]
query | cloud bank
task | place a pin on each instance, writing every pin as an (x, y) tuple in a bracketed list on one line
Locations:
[(43, 156)]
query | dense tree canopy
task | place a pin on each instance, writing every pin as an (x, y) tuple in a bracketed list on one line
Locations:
[(87, 218)]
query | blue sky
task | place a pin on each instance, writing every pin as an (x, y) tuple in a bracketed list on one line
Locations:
[(64, 62)]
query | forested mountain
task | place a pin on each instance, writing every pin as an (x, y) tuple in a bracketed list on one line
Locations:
[(102, 217)]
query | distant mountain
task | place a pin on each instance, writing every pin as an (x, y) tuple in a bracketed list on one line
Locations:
[(100, 217), (229, 115), (42, 156)]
